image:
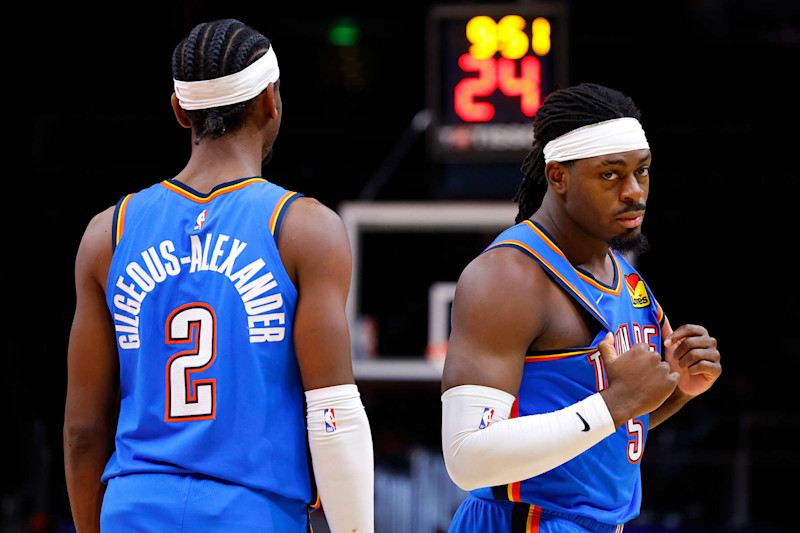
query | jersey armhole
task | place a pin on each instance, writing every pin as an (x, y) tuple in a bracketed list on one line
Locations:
[(118, 224), (660, 316), (556, 276), (278, 214)]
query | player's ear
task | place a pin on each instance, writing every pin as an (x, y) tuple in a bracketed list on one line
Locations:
[(271, 100), (180, 114), (557, 176)]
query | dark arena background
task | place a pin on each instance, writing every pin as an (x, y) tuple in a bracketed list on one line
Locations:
[(374, 128)]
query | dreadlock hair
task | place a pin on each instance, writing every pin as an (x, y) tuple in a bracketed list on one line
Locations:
[(562, 112), (212, 50)]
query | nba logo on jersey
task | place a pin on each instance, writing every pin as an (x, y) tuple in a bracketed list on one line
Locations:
[(201, 219), (330, 421), (486, 419)]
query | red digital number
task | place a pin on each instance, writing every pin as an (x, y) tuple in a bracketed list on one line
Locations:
[(485, 84), (526, 86), (494, 74)]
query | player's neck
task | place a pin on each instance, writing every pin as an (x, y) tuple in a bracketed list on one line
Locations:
[(217, 161), (583, 249)]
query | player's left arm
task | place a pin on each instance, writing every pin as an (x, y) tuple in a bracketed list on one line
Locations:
[(92, 379), (693, 353), (316, 251)]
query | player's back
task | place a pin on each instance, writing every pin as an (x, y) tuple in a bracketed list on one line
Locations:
[(203, 310)]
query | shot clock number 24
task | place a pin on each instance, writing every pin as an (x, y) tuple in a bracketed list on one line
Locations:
[(489, 69), (505, 56)]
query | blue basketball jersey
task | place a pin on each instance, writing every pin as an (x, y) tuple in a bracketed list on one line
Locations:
[(603, 483), (203, 311)]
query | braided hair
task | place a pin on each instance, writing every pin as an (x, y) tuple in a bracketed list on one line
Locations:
[(212, 50), (562, 112)]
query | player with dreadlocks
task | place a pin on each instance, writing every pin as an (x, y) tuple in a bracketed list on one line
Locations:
[(553, 374), (209, 355)]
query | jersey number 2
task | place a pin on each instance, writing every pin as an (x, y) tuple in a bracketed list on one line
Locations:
[(187, 398)]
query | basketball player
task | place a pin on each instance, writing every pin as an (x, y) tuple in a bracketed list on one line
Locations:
[(211, 313), (553, 374)]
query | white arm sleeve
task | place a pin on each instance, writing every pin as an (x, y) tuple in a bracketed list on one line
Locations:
[(484, 448), (340, 443)]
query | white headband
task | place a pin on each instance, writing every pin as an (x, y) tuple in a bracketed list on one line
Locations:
[(608, 137), (232, 89)]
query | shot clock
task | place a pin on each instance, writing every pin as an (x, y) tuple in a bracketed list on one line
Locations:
[(489, 69)]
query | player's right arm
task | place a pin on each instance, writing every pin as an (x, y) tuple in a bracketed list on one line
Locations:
[(93, 379), (502, 304)]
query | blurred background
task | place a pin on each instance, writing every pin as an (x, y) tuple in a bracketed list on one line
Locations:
[(377, 127)]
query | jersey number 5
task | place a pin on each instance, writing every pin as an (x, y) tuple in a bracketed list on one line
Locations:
[(634, 427), (187, 398)]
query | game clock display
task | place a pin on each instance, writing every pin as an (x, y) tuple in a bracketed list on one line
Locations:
[(489, 69)]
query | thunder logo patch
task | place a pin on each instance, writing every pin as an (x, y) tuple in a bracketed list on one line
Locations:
[(637, 290)]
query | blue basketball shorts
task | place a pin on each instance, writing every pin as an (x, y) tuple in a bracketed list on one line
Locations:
[(180, 504), (496, 516)]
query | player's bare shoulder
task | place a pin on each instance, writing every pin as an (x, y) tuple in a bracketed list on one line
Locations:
[(100, 226), (313, 233), (503, 292), (505, 275), (95, 251)]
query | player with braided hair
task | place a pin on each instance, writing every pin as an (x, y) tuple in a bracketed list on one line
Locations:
[(565, 111), (205, 54), (209, 369), (553, 374)]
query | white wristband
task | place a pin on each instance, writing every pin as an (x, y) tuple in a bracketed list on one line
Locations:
[(340, 443), (482, 447)]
